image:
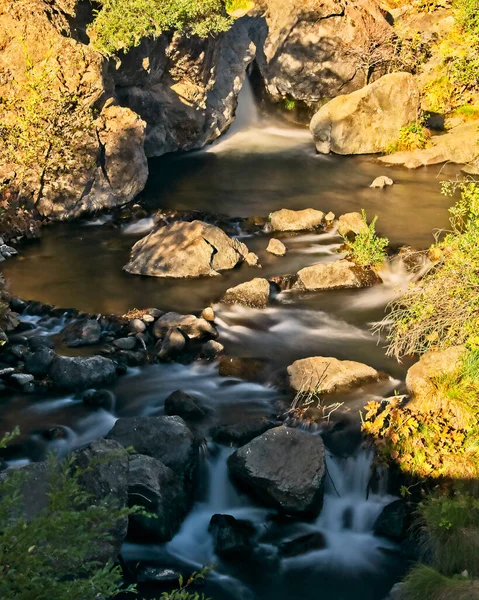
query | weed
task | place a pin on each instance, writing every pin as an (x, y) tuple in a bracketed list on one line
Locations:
[(367, 249)]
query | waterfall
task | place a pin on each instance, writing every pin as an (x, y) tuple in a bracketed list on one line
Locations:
[(247, 113)]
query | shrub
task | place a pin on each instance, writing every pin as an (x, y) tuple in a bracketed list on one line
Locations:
[(426, 583), (367, 249), (412, 137), (233, 5), (467, 15), (122, 24)]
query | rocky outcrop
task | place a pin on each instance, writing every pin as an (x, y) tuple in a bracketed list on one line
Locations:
[(296, 220), (186, 250), (336, 275), (253, 293), (322, 375), (367, 121), (312, 49), (285, 468)]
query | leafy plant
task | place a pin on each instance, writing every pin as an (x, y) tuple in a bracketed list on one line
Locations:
[(289, 104), (367, 249), (412, 137), (182, 592)]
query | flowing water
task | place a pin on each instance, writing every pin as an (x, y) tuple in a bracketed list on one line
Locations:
[(259, 166)]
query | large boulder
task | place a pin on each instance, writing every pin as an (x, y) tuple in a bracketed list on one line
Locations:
[(167, 439), (324, 375), (296, 220), (369, 120), (393, 521), (185, 250), (161, 492), (81, 372), (243, 432), (253, 293), (339, 274), (285, 468)]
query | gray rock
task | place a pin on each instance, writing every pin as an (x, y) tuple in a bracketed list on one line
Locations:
[(232, 538), (127, 343), (242, 433), (276, 247), (285, 468), (39, 361), (392, 522), (22, 378), (253, 293), (167, 439), (296, 220), (160, 491), (211, 349), (185, 406), (85, 332), (190, 325), (81, 372), (172, 345), (137, 326)]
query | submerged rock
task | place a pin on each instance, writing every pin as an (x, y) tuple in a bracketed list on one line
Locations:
[(81, 372), (232, 538), (276, 247), (253, 293), (85, 332), (303, 544), (369, 120), (185, 250), (336, 275), (167, 439), (392, 522), (285, 468), (323, 375), (296, 220), (185, 406)]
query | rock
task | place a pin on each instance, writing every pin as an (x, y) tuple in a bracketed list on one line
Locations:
[(150, 574), (329, 375), (40, 341), (382, 182), (81, 372), (252, 260), (242, 433), (185, 250), (172, 345), (160, 491), (167, 439), (19, 352), (126, 343), (336, 275), (249, 369), (367, 121), (137, 326), (85, 332), (39, 361), (211, 350), (22, 378), (276, 247), (392, 522), (208, 314), (104, 466), (6, 372), (329, 218), (296, 220), (254, 293), (189, 325), (351, 223), (398, 592), (303, 544), (99, 399), (285, 468), (185, 406), (232, 538), (148, 319)]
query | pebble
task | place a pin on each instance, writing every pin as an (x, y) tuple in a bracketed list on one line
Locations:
[(22, 378), (6, 372), (208, 314), (148, 319), (137, 326), (127, 343)]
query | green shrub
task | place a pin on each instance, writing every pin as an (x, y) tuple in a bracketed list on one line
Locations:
[(289, 104), (426, 583), (467, 15), (411, 137), (122, 24), (234, 5), (367, 249)]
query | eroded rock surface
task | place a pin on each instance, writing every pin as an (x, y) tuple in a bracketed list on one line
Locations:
[(253, 293), (339, 274)]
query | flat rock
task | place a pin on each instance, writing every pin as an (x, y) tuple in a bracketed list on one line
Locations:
[(296, 220), (254, 293), (303, 544), (322, 375), (81, 372), (85, 332), (285, 468), (336, 275)]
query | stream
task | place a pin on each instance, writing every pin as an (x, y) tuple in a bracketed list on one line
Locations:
[(259, 166)]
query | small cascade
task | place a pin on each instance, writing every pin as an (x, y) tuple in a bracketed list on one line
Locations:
[(247, 113)]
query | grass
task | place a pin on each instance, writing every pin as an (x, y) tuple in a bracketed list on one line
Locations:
[(412, 137), (426, 583), (367, 249), (232, 6), (470, 112)]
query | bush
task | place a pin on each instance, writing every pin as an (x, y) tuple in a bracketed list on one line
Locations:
[(467, 15), (367, 249), (426, 583), (411, 137), (122, 24)]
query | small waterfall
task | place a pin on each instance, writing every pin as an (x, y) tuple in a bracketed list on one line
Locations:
[(247, 113)]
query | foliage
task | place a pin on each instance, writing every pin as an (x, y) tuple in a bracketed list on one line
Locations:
[(423, 444), (442, 309), (122, 24), (411, 137), (368, 249), (238, 5), (289, 104), (468, 111), (467, 15), (450, 526), (183, 593), (410, 51), (426, 583), (43, 127), (426, 5)]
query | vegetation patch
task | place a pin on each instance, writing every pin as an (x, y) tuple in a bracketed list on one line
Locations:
[(412, 137), (426, 583), (367, 249)]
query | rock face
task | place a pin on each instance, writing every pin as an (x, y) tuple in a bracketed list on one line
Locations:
[(167, 439), (329, 375), (311, 50), (367, 121), (296, 220), (81, 372), (253, 293), (161, 492), (340, 274), (285, 468), (185, 250)]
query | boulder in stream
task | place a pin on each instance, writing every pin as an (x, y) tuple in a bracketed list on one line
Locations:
[(191, 326), (186, 250), (243, 432), (336, 275), (351, 223), (382, 182), (322, 375), (276, 247), (172, 345), (296, 220), (232, 538), (167, 439), (85, 332), (254, 293), (369, 120), (185, 406), (285, 468), (81, 372), (392, 522)]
